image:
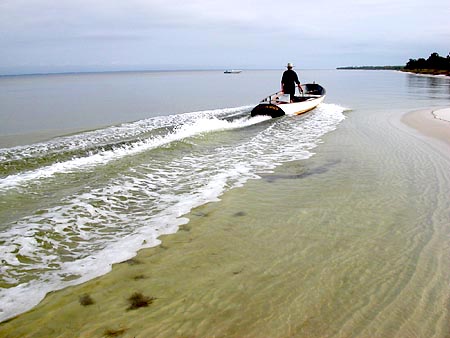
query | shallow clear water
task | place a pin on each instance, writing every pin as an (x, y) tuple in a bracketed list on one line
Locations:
[(73, 205)]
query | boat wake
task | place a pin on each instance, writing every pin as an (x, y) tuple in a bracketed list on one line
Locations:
[(89, 150), (96, 198)]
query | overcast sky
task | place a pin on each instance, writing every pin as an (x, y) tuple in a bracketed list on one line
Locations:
[(77, 35)]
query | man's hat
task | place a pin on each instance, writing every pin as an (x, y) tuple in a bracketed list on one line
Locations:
[(290, 65)]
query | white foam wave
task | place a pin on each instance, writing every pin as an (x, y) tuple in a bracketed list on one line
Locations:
[(182, 131), (111, 134)]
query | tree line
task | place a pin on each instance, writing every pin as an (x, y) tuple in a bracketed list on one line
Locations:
[(372, 67), (434, 62)]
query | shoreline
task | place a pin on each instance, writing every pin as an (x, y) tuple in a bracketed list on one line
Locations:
[(431, 123), (429, 72)]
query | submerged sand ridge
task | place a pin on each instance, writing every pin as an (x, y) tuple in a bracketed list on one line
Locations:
[(350, 243)]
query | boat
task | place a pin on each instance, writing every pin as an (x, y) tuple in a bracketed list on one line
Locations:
[(232, 71), (280, 104)]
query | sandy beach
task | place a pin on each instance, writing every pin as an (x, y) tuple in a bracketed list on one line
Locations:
[(232, 273), (442, 114), (432, 123)]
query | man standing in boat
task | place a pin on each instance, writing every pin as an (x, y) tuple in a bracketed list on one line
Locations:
[(289, 80)]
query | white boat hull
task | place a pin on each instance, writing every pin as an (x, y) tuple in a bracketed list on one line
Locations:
[(298, 108)]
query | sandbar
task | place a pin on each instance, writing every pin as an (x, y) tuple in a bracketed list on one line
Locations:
[(431, 123), (442, 114)]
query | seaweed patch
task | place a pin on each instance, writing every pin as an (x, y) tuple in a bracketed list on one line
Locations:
[(138, 300), (239, 214), (114, 333), (305, 173), (86, 300)]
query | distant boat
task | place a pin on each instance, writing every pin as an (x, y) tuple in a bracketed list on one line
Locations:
[(232, 71), (280, 104)]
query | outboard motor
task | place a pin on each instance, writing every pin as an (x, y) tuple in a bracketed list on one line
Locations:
[(268, 109)]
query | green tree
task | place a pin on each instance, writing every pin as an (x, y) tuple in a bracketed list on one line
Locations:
[(434, 62)]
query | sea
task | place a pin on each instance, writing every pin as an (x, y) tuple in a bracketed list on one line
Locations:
[(97, 166)]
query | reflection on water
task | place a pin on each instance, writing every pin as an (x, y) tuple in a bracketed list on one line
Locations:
[(434, 87)]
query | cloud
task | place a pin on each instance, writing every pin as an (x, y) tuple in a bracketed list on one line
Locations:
[(215, 33)]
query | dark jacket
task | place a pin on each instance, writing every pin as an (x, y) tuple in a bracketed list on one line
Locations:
[(289, 80)]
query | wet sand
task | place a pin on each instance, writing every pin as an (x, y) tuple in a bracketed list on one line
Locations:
[(335, 248)]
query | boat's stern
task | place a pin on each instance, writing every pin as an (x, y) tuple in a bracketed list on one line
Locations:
[(268, 109)]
